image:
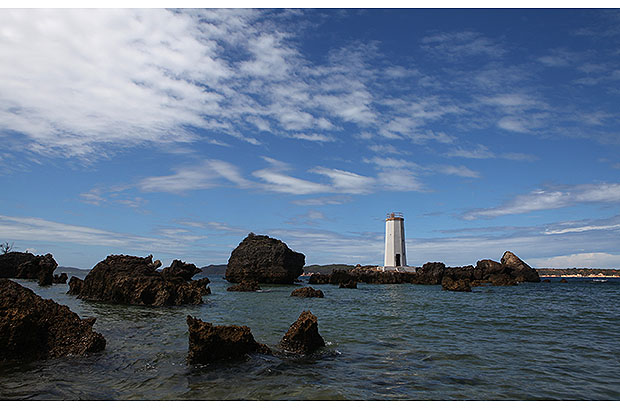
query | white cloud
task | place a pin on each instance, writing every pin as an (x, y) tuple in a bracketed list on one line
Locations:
[(461, 44), (324, 200), (542, 199), (345, 181), (460, 171)]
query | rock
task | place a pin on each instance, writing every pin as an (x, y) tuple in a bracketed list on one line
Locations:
[(23, 265), (265, 260), (319, 279), (307, 292), (348, 285), (303, 335), (33, 328), (502, 279), (547, 281), (563, 280), (245, 286), (208, 343), (133, 280), (62, 278), (519, 267), (431, 273), (459, 285)]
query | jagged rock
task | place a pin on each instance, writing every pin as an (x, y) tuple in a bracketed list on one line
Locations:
[(307, 292), (502, 279), (431, 273), (23, 265), (34, 328), (348, 285), (265, 260), (459, 285), (563, 280), (133, 280), (208, 343), (303, 335), (519, 267), (62, 278), (245, 286)]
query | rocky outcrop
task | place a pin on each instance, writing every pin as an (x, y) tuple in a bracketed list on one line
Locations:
[(319, 278), (265, 260), (245, 286), (23, 265), (519, 268), (62, 278), (209, 343), (502, 279), (303, 336), (459, 285), (133, 280), (34, 328), (307, 292), (351, 284)]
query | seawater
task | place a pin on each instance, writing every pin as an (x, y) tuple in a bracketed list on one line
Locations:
[(535, 341)]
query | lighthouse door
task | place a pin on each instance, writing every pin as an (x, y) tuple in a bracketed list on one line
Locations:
[(398, 259)]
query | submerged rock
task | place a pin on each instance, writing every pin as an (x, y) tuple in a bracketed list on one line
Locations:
[(459, 285), (563, 280), (265, 260), (34, 328), (245, 286), (307, 292), (303, 335), (133, 280), (23, 265), (209, 343)]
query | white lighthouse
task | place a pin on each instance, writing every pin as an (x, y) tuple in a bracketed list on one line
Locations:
[(395, 240)]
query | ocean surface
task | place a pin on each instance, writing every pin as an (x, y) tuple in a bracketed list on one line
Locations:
[(536, 341)]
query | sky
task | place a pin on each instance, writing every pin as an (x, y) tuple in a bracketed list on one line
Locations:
[(177, 132)]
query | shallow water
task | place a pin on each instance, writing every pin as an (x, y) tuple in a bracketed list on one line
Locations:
[(535, 341)]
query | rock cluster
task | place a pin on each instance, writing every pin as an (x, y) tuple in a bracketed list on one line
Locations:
[(133, 280), (209, 343), (510, 271), (244, 286), (307, 292), (23, 265), (303, 336), (351, 284), (35, 328), (265, 260)]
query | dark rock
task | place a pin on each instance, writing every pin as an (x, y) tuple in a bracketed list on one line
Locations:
[(563, 280), (307, 292), (348, 285), (62, 278), (34, 328), (23, 265), (459, 285), (245, 286), (208, 343), (133, 280), (485, 268), (431, 273), (519, 267), (319, 279), (502, 279), (265, 260), (303, 335), (546, 280)]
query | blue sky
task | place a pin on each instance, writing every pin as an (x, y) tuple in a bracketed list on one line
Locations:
[(178, 132)]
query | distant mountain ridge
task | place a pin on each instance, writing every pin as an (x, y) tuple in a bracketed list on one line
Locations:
[(221, 269), (71, 271)]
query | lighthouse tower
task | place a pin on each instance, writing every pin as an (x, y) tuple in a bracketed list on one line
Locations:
[(395, 240)]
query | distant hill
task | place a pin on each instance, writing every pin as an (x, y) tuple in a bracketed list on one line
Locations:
[(325, 268), (214, 270), (71, 271), (577, 272)]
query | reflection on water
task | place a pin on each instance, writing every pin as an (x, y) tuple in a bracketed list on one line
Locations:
[(384, 342)]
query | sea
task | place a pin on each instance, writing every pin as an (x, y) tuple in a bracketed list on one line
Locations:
[(534, 341)]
